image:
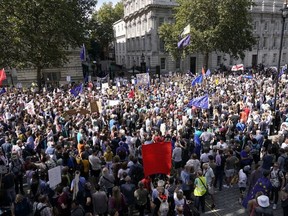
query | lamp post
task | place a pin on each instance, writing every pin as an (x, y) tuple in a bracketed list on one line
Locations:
[(258, 40), (143, 64), (284, 11)]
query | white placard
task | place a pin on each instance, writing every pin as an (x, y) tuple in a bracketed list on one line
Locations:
[(68, 78), (113, 102), (104, 87), (54, 175)]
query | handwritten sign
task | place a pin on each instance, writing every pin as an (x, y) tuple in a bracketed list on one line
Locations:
[(54, 176)]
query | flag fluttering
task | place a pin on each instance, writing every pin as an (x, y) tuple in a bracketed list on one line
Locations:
[(198, 79), (200, 102), (77, 90), (184, 42), (83, 53)]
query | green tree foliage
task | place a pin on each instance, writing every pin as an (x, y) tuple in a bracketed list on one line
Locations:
[(216, 25), (41, 32), (102, 22)]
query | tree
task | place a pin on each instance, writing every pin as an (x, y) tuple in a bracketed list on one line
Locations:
[(41, 32), (102, 22), (216, 25)]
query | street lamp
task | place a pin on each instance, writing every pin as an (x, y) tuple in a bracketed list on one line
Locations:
[(143, 64), (284, 11)]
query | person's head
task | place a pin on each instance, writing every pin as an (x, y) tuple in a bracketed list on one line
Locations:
[(19, 198), (140, 185), (266, 173), (199, 173), (75, 204), (105, 171), (205, 166), (116, 192), (276, 166), (211, 158), (180, 194)]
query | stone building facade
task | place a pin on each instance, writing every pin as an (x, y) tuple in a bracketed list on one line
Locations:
[(142, 19), (55, 76)]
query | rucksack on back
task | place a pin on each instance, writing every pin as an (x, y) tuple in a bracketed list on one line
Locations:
[(38, 211), (285, 164)]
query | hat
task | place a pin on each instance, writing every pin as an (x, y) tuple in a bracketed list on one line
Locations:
[(263, 201), (246, 168)]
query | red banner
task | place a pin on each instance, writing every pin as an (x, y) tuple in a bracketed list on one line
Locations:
[(157, 158)]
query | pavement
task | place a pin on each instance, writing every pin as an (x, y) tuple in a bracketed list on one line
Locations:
[(227, 204)]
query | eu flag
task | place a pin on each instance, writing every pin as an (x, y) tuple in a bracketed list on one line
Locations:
[(201, 102), (82, 53), (208, 72), (2, 91), (77, 90), (198, 79)]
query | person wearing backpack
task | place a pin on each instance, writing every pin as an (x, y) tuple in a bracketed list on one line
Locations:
[(283, 160), (21, 206), (219, 170), (136, 171), (42, 208), (16, 167), (277, 181)]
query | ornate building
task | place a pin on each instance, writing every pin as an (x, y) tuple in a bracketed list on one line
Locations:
[(139, 37)]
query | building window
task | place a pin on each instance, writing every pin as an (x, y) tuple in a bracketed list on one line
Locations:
[(264, 58), (274, 42), (52, 76), (161, 21), (218, 60), (265, 42), (266, 26), (149, 43), (178, 63), (274, 58), (162, 45), (255, 26), (163, 63), (284, 57)]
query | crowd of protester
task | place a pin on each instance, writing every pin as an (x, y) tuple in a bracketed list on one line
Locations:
[(227, 145)]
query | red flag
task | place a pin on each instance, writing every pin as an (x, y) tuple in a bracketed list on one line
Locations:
[(2, 75), (203, 71), (157, 158), (131, 94)]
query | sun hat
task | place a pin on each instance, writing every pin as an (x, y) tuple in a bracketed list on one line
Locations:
[(263, 201)]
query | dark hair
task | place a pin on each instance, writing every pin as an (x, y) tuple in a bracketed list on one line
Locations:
[(97, 187)]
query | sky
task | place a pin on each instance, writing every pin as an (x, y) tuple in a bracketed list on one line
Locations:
[(100, 2)]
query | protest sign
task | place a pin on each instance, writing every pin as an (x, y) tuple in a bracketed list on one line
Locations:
[(54, 176)]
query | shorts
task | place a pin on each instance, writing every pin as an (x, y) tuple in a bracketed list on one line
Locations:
[(229, 173), (178, 164), (211, 190)]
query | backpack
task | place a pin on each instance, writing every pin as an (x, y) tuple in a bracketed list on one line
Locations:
[(38, 211), (17, 168), (137, 173), (285, 164)]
